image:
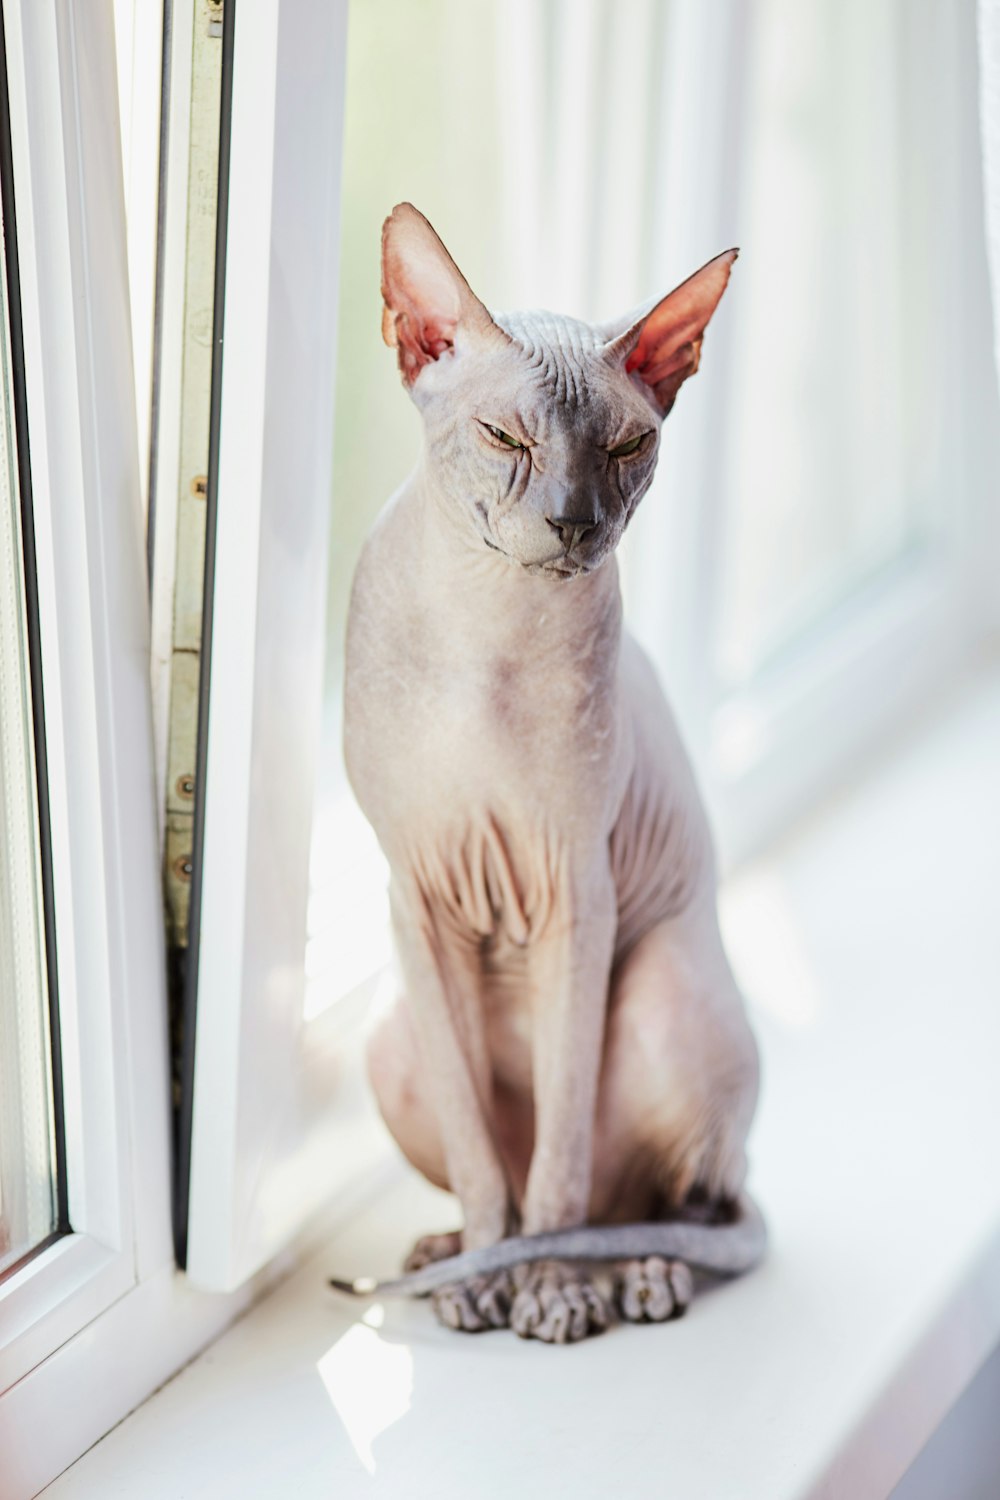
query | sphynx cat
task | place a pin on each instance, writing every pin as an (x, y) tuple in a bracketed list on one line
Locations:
[(570, 1053)]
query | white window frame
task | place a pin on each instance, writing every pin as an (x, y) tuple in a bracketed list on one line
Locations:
[(84, 468), (101, 1309), (273, 1136), (104, 1308)]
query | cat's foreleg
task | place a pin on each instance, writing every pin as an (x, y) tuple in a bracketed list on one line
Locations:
[(442, 984), (556, 1301), (677, 1095)]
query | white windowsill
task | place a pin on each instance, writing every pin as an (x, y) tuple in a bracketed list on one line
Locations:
[(872, 937)]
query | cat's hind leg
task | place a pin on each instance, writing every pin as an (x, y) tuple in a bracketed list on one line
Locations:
[(399, 1082), (432, 1247), (677, 1093), (652, 1290)]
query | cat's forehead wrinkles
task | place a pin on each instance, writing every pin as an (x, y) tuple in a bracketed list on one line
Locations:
[(538, 329), (558, 351)]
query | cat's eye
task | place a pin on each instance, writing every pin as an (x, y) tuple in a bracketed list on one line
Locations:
[(631, 446), (503, 437)]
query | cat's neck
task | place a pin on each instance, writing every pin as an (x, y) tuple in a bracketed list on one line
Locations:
[(485, 592)]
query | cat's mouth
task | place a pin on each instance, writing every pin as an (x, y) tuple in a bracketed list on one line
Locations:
[(553, 567), (561, 567)]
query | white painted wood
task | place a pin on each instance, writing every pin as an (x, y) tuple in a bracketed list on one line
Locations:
[(253, 1180), (820, 1376)]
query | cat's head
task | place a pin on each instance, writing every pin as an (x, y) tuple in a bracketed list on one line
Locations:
[(542, 431)]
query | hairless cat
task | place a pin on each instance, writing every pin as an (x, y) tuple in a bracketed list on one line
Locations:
[(570, 1053)]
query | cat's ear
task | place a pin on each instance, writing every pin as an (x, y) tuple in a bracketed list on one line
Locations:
[(427, 299), (663, 346)]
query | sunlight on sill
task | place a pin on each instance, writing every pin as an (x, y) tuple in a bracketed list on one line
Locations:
[(369, 1381)]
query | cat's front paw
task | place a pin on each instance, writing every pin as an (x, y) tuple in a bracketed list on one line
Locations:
[(653, 1290), (473, 1306), (557, 1303)]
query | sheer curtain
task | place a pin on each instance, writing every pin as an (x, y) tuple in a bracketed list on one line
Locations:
[(989, 104)]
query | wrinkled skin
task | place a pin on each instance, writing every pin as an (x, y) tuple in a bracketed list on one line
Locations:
[(569, 1044)]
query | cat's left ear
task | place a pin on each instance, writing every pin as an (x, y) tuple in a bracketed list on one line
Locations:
[(663, 347), (427, 299)]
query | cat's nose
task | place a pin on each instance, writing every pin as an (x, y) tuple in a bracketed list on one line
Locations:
[(572, 529)]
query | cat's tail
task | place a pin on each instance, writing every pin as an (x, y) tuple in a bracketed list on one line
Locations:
[(726, 1249)]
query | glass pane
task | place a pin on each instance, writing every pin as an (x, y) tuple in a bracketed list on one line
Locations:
[(28, 1210), (837, 438)]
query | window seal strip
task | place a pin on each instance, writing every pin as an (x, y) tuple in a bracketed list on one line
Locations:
[(189, 1004)]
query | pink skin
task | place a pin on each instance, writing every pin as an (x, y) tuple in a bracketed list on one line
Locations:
[(569, 1046)]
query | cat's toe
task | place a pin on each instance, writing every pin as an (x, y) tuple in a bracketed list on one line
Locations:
[(653, 1290), (473, 1306), (558, 1304)]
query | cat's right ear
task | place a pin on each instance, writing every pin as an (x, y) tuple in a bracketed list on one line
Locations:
[(427, 299), (663, 346)]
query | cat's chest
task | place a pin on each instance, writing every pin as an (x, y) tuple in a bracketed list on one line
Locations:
[(457, 722)]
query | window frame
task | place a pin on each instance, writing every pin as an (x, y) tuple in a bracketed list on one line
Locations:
[(81, 451), (264, 1163), (18, 460), (104, 1308), (100, 1308)]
